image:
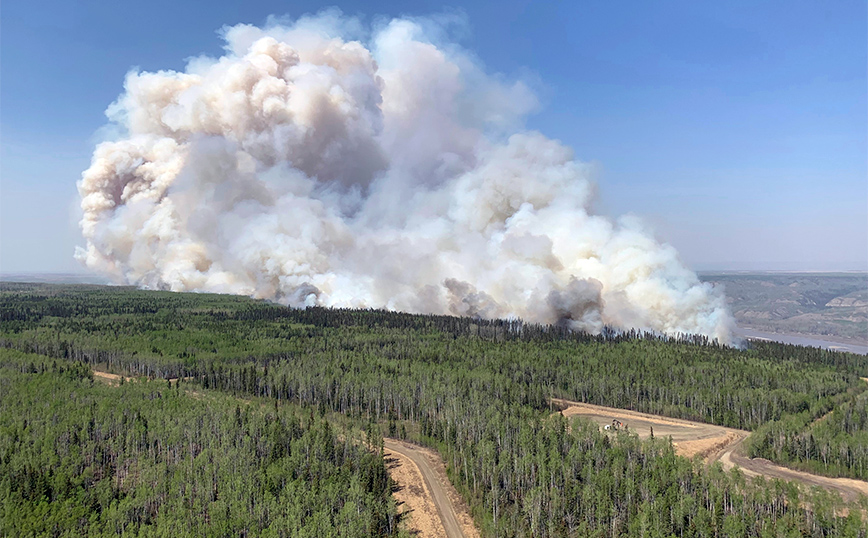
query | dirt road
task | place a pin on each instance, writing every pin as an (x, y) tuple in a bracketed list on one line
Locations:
[(849, 489), (435, 508), (713, 443)]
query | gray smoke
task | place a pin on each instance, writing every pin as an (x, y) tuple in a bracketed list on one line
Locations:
[(579, 304), (313, 169)]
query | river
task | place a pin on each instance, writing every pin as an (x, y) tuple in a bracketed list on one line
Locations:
[(801, 340)]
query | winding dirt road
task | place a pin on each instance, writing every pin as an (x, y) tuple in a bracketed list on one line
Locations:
[(712, 443), (434, 507), (849, 489)]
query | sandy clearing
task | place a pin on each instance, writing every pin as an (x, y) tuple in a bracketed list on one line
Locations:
[(712, 443), (111, 378), (433, 494), (114, 379), (569, 408), (706, 448), (689, 438), (414, 498)]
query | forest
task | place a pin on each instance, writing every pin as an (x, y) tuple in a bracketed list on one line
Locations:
[(829, 438), (476, 391), (79, 458)]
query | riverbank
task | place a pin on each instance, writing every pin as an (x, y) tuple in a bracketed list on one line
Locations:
[(804, 340)]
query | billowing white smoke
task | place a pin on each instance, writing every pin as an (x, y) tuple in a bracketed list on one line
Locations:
[(310, 169)]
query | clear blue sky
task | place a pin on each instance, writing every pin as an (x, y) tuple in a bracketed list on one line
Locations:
[(736, 129)]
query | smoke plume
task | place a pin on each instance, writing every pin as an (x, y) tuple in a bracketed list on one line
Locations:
[(320, 163)]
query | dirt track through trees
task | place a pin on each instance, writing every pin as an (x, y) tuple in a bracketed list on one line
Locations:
[(712, 443), (433, 506), (435, 509)]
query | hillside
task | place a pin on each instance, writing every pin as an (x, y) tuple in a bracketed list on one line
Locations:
[(818, 304)]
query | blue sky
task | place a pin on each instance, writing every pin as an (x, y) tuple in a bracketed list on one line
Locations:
[(737, 130)]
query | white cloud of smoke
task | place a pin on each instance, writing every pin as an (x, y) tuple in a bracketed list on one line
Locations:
[(308, 168)]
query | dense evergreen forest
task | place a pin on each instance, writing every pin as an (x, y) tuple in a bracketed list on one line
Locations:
[(79, 458), (478, 392), (834, 443)]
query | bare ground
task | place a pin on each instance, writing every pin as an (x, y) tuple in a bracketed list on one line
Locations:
[(417, 509), (712, 443), (689, 438), (433, 506), (110, 378)]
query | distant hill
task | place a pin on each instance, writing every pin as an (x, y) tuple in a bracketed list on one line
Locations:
[(55, 278), (820, 304)]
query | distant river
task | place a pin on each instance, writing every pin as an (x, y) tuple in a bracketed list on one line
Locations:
[(801, 341)]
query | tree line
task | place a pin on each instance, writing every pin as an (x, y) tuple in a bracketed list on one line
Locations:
[(831, 438), (480, 394), (79, 458)]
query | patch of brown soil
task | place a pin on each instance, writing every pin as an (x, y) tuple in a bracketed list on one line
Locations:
[(111, 379), (415, 503), (849, 489), (430, 492), (577, 408), (115, 379), (689, 438), (705, 448)]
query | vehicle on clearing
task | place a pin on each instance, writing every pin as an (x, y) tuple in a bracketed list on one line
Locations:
[(616, 425)]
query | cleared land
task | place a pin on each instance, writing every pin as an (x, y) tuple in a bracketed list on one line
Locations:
[(690, 438), (416, 504), (712, 443), (434, 508), (110, 378)]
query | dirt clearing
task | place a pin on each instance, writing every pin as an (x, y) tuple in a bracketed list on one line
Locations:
[(690, 438), (712, 443), (110, 378)]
